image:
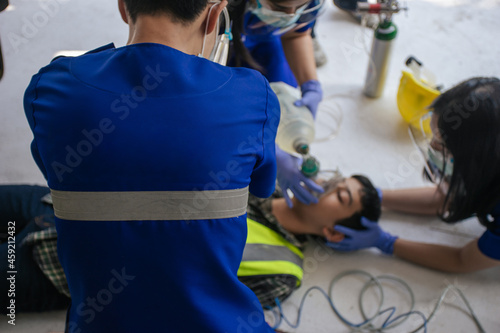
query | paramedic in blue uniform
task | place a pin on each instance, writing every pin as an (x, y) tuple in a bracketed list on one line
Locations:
[(274, 36), (464, 160), (149, 151)]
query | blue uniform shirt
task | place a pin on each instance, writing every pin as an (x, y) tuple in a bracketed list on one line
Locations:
[(147, 117), (264, 44), (489, 242)]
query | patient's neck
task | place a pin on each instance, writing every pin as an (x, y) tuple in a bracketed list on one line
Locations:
[(294, 220)]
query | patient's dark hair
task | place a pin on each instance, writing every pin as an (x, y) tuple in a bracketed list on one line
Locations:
[(183, 11), (370, 203)]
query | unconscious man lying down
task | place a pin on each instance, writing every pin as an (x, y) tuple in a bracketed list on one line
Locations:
[(272, 259)]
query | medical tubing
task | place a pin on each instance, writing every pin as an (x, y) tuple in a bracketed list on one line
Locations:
[(366, 324), (462, 296), (227, 27), (340, 119), (372, 279), (226, 15), (386, 324)]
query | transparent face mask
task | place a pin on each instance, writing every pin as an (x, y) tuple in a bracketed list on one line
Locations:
[(329, 180), (270, 18), (438, 162), (220, 50)]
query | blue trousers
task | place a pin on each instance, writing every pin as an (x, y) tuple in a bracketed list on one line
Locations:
[(33, 290)]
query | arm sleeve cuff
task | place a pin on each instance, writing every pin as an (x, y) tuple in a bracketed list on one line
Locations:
[(489, 245)]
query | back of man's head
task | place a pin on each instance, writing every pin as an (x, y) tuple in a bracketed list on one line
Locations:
[(182, 11), (370, 203)]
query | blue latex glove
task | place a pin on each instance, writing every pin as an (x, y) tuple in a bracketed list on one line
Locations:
[(379, 192), (373, 236), (312, 94), (290, 177)]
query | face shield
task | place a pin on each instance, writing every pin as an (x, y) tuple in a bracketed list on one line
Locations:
[(276, 22), (438, 160), (220, 48)]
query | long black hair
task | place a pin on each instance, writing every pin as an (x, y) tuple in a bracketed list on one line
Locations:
[(469, 123), (239, 54)]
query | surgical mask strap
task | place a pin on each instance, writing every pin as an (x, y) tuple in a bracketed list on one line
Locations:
[(206, 29), (220, 51), (221, 44)]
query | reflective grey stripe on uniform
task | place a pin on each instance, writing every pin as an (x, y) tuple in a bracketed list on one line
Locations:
[(149, 205), (265, 252)]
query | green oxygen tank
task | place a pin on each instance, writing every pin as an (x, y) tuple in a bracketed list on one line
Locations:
[(380, 56), (383, 41)]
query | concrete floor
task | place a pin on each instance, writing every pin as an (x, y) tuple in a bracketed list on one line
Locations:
[(456, 39)]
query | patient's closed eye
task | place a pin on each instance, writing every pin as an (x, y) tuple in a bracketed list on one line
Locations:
[(344, 196)]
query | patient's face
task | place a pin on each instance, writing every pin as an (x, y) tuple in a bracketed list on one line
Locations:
[(341, 200)]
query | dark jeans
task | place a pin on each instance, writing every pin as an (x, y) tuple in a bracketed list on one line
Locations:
[(313, 33), (33, 290), (347, 4)]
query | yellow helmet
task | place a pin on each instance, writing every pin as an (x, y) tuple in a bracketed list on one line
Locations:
[(414, 96)]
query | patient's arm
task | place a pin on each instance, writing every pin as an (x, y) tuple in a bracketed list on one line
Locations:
[(421, 201), (444, 258)]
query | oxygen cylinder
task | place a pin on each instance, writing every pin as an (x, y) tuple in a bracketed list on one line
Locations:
[(380, 54), (296, 127)]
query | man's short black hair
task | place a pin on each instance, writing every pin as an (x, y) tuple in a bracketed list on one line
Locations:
[(183, 11), (370, 203)]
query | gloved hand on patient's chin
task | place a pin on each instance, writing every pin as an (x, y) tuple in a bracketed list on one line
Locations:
[(290, 177), (372, 236), (312, 94)]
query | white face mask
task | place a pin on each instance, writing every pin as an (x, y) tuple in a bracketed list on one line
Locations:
[(220, 50), (278, 19), (438, 164), (439, 168)]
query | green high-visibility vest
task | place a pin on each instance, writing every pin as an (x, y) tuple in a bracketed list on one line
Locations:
[(268, 253)]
